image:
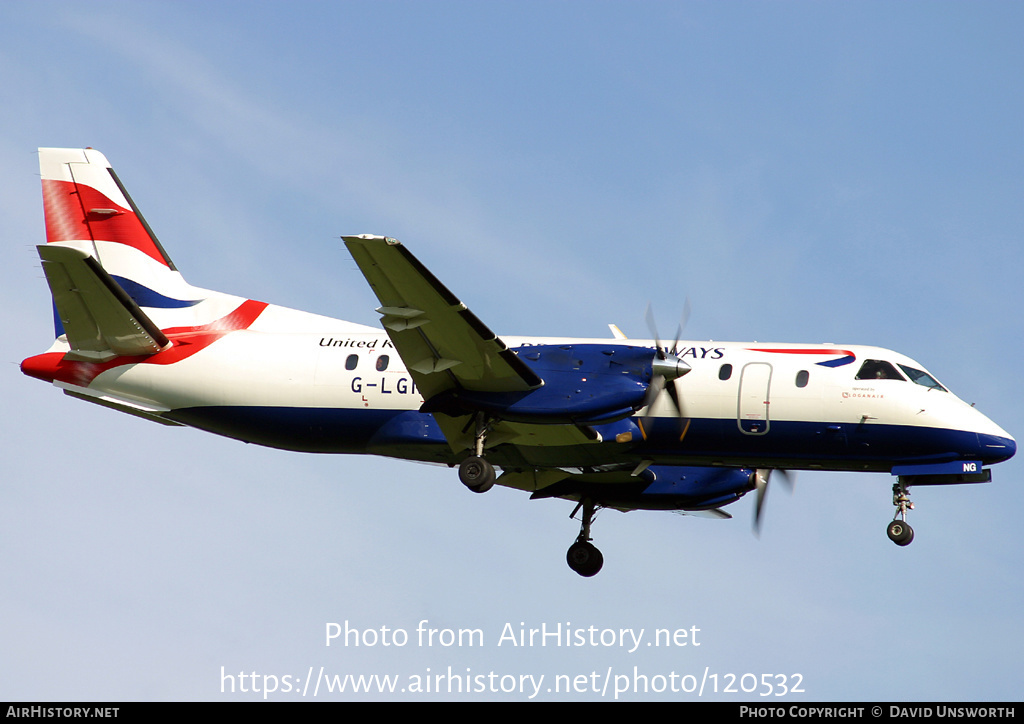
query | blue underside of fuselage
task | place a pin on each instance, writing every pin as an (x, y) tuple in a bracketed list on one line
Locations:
[(715, 442), (710, 467)]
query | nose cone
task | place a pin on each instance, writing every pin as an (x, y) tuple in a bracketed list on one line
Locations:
[(994, 444), (996, 448)]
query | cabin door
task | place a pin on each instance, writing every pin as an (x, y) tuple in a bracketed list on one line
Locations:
[(752, 410)]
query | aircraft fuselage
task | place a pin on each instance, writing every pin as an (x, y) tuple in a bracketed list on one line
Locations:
[(744, 404)]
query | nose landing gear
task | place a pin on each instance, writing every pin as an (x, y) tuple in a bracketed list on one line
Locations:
[(899, 531)]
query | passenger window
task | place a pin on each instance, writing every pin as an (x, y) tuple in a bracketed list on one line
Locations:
[(382, 363), (801, 378), (878, 369), (351, 361), (725, 372)]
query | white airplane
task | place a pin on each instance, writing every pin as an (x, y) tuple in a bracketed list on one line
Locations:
[(617, 423)]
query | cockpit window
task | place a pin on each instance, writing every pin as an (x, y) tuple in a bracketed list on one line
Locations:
[(878, 369), (922, 378)]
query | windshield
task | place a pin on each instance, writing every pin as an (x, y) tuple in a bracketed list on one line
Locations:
[(922, 378), (878, 369)]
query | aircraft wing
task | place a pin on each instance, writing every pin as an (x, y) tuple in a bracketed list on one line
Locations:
[(443, 344)]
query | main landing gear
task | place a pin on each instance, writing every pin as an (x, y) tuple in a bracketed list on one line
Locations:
[(899, 530), (475, 472), (583, 556)]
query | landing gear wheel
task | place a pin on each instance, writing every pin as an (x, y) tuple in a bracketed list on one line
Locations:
[(476, 474), (900, 533), (584, 558)]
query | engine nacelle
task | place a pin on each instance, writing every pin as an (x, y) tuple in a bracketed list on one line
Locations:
[(583, 384), (658, 487), (696, 488)]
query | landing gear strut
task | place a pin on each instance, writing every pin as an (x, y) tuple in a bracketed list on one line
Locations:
[(475, 472), (583, 556), (899, 530)]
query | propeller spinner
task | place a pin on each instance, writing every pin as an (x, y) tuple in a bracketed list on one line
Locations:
[(666, 366)]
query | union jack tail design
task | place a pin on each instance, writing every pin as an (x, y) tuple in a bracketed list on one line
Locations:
[(117, 296)]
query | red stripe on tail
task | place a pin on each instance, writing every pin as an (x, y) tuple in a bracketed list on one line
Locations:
[(76, 211)]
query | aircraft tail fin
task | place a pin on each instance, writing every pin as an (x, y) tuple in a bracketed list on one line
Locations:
[(88, 210), (84, 201)]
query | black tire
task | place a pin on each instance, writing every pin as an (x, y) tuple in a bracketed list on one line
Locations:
[(584, 558), (476, 474), (900, 533)]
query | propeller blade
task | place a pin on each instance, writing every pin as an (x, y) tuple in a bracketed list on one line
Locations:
[(653, 390), (673, 394), (684, 421), (649, 317), (682, 325), (761, 478)]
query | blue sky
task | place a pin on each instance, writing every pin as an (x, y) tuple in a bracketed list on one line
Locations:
[(803, 172)]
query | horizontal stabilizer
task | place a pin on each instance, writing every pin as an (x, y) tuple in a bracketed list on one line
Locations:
[(131, 407), (99, 318)]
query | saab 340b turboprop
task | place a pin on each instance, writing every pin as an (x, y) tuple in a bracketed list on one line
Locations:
[(617, 423)]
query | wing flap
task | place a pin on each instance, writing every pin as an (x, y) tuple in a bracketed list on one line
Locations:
[(443, 344), (458, 431), (710, 513), (100, 320)]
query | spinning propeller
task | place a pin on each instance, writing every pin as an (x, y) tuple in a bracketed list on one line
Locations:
[(666, 367), (761, 478)]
